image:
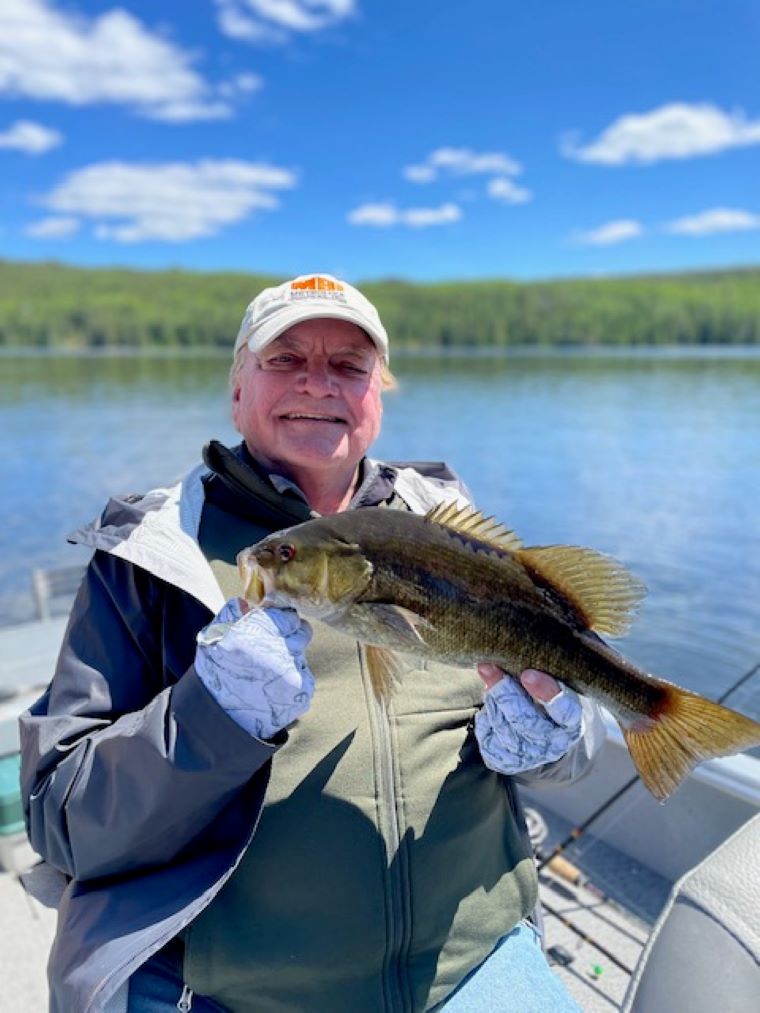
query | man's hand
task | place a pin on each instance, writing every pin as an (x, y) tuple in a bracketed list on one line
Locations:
[(523, 726), (252, 663), (542, 687)]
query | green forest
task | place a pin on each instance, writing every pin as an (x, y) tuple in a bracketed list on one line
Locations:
[(51, 305)]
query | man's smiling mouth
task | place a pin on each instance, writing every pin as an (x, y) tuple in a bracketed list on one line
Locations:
[(312, 417)]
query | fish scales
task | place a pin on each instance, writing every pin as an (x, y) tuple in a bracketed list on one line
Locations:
[(481, 607)]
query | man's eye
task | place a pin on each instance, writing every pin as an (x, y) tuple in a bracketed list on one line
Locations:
[(280, 360)]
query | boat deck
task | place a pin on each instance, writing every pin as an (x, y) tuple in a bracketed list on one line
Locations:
[(26, 932), (591, 977), (598, 909)]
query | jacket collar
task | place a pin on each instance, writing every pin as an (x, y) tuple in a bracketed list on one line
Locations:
[(159, 531)]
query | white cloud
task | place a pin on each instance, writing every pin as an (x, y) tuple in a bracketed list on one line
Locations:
[(381, 215), (385, 215), (464, 162), (52, 55), (273, 20), (181, 111), (242, 84), (53, 228), (505, 190), (420, 173), (677, 130), (461, 162), (611, 232), (30, 137), (715, 220), (169, 202), (421, 218)]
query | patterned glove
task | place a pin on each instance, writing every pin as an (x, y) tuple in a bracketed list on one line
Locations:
[(254, 666), (516, 734)]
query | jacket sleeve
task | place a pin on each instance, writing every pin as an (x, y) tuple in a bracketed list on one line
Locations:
[(127, 759)]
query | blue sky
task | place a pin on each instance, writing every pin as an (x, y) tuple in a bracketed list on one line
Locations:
[(422, 140)]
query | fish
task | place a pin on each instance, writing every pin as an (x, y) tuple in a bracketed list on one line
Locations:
[(461, 588)]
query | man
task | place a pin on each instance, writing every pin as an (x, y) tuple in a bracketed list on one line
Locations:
[(239, 823)]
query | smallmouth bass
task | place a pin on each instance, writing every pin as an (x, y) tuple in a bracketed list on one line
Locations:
[(461, 588)]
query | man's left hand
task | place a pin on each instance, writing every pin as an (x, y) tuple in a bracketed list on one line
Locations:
[(525, 725)]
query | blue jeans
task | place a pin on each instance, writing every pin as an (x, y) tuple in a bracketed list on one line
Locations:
[(515, 978)]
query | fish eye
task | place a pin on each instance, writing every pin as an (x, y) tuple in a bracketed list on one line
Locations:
[(286, 552)]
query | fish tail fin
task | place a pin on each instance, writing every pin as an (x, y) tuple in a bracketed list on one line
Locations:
[(687, 729), (384, 670)]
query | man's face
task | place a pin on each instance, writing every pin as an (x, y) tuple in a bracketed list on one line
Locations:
[(311, 399)]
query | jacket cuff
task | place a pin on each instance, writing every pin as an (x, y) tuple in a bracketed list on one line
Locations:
[(209, 727)]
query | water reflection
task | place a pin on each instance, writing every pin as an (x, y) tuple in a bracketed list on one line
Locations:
[(78, 377)]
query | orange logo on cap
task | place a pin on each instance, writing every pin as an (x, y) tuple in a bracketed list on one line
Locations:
[(317, 284)]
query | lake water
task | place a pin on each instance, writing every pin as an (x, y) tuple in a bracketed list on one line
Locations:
[(652, 457)]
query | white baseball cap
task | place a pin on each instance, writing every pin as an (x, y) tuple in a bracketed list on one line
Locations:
[(308, 297)]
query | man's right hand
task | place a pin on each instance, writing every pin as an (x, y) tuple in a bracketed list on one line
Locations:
[(253, 664)]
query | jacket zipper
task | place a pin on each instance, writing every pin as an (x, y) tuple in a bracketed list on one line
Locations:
[(185, 1003), (396, 921)]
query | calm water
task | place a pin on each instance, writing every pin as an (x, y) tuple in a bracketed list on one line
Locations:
[(653, 458)]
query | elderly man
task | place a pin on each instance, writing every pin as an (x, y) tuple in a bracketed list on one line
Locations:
[(237, 822)]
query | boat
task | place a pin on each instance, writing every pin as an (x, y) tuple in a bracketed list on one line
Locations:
[(614, 866)]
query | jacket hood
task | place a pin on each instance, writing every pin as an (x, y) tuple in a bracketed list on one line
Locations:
[(158, 532)]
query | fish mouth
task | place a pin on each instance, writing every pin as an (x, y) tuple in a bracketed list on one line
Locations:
[(255, 584), (313, 417)]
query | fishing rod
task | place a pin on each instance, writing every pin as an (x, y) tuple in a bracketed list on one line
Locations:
[(581, 828), (586, 938)]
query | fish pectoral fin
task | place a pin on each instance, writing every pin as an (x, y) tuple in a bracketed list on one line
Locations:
[(686, 730), (406, 626), (402, 626), (384, 669), (466, 520), (600, 590)]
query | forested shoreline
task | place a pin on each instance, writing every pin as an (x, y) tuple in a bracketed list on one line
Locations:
[(55, 306)]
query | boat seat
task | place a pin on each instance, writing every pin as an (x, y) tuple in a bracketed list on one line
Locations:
[(704, 951), (54, 590)]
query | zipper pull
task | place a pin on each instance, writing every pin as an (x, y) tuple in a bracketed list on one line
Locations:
[(186, 999)]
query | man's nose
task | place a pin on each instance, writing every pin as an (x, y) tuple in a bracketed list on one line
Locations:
[(317, 379)]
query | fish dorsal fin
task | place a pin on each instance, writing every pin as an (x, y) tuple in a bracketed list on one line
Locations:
[(597, 587), (468, 521)]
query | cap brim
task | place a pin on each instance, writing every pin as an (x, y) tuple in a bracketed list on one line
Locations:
[(289, 316)]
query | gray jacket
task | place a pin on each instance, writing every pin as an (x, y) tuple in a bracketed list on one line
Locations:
[(139, 789)]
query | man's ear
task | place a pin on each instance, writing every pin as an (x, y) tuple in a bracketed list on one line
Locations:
[(235, 406)]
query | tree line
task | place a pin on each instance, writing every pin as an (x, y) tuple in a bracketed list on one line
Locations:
[(51, 305)]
